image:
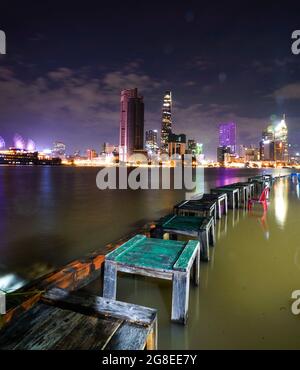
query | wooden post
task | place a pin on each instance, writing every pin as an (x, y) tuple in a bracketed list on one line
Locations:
[(213, 235), (110, 280), (180, 296), (219, 209), (196, 268), (204, 245), (151, 343)]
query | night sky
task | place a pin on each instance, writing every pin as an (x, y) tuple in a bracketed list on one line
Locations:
[(66, 64)]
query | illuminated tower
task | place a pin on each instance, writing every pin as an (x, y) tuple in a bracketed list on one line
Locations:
[(227, 136), (166, 124), (274, 144), (281, 141), (131, 123)]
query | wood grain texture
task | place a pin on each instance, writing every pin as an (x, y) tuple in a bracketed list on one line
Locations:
[(99, 306), (187, 257), (129, 337)]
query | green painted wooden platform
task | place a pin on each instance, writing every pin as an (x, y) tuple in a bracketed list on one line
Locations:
[(78, 321), (202, 228), (164, 259)]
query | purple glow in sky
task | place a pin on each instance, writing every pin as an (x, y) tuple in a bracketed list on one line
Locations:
[(19, 142), (30, 145), (2, 143)]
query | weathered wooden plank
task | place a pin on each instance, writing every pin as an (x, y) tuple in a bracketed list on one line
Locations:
[(186, 258), (180, 296), (129, 337), (150, 272), (153, 253), (101, 307), (40, 328), (90, 333), (110, 280), (151, 343), (125, 247)]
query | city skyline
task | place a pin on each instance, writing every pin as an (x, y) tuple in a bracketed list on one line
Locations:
[(48, 93)]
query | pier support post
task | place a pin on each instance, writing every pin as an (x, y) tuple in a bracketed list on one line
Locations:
[(226, 205), (204, 244), (196, 269), (180, 296), (110, 280)]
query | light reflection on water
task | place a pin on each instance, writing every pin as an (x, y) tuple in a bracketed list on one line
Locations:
[(281, 203)]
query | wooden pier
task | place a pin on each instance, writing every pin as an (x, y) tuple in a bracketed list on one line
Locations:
[(63, 320), (232, 193), (198, 208), (164, 259)]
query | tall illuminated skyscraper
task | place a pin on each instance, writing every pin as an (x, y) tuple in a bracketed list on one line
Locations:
[(131, 123), (166, 124), (151, 144), (227, 136), (281, 141), (274, 145)]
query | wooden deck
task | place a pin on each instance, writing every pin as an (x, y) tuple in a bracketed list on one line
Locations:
[(202, 228), (232, 193), (221, 199), (200, 208), (164, 259), (67, 321)]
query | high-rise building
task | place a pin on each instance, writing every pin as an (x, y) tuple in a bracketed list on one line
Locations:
[(166, 124), (221, 153), (131, 123), (267, 144), (274, 143), (151, 143), (227, 136), (281, 141), (194, 148), (58, 150), (176, 144)]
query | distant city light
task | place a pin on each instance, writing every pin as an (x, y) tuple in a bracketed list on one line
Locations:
[(2, 143), (47, 151), (31, 145), (19, 142)]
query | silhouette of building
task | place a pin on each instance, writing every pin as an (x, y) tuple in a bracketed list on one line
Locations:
[(131, 123)]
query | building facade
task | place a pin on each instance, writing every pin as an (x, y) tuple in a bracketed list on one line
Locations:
[(221, 153), (151, 141), (166, 124), (274, 144), (131, 123), (227, 136), (58, 150), (177, 144)]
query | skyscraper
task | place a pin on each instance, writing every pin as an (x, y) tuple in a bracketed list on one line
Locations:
[(274, 143), (151, 143), (131, 123), (166, 124), (227, 136), (281, 141)]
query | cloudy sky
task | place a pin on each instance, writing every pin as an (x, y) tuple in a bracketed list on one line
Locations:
[(65, 66)]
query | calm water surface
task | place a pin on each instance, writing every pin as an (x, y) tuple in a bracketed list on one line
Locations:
[(51, 215)]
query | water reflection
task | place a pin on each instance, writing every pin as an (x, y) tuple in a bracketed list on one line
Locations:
[(280, 203), (10, 282)]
